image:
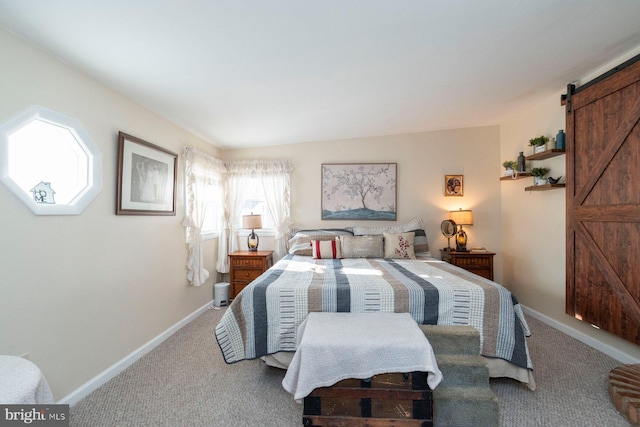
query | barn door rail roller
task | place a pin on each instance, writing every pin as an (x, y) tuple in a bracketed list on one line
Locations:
[(572, 89)]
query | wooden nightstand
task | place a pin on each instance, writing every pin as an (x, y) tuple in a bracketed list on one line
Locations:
[(246, 266), (480, 263)]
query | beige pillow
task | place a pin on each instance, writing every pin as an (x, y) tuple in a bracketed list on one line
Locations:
[(362, 246), (399, 245)]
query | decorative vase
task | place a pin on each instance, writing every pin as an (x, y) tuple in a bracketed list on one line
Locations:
[(521, 165), (539, 148), (508, 172), (560, 140)]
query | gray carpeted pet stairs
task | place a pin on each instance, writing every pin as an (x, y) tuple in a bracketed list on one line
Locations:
[(463, 398)]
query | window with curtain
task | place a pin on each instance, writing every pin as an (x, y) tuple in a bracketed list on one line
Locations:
[(255, 201), (204, 200), (214, 204), (260, 187)]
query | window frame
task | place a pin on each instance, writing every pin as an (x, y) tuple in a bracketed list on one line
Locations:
[(213, 233), (265, 230), (94, 161)]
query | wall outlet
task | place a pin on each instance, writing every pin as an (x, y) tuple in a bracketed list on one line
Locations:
[(25, 355)]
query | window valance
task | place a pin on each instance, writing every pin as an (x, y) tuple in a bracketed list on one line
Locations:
[(259, 167)]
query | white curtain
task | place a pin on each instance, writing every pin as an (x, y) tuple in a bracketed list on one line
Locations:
[(277, 188), (201, 171), (222, 266), (275, 179), (236, 185)]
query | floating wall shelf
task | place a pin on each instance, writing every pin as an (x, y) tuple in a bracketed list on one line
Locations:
[(552, 152), (544, 187), (520, 176)]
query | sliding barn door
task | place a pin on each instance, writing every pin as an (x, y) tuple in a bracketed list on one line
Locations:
[(603, 202)]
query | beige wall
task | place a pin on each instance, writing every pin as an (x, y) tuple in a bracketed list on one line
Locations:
[(422, 159), (533, 223), (81, 292)]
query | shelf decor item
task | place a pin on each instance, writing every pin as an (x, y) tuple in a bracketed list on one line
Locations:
[(539, 175), (561, 140), (552, 180), (521, 163), (509, 167), (539, 144)]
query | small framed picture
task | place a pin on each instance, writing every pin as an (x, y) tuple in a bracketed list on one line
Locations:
[(146, 178), (453, 185)]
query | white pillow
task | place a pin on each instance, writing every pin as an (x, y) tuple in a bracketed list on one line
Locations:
[(399, 245), (326, 249)]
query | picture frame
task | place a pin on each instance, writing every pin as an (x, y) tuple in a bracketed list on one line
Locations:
[(359, 191), (146, 178), (454, 185)]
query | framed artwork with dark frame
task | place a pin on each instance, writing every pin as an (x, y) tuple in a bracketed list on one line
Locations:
[(146, 178), (453, 185), (359, 191)]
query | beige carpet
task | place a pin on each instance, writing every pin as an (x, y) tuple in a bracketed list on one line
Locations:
[(185, 382)]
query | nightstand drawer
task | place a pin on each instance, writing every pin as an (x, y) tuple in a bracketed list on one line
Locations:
[(239, 262), (473, 262), (245, 274)]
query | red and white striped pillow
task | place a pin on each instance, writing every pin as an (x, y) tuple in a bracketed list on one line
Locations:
[(326, 249)]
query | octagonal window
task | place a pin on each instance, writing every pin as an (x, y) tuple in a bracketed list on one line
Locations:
[(50, 162)]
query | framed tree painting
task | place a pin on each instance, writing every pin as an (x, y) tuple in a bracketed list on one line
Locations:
[(453, 185), (146, 178), (359, 191)]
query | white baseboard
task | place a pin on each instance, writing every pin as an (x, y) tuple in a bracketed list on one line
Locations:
[(109, 373), (610, 351)]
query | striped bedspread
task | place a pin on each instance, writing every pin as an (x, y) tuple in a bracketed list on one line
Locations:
[(264, 318)]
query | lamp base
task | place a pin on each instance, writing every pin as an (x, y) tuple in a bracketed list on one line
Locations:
[(252, 241), (461, 241)]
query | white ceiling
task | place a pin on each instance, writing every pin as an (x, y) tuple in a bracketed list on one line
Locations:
[(243, 73)]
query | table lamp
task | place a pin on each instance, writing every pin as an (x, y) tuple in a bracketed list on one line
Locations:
[(252, 222), (461, 217)]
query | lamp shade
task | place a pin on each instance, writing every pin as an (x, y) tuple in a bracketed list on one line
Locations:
[(252, 222), (462, 217)]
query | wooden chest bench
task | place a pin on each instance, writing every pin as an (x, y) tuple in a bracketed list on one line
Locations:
[(363, 369), (384, 400)]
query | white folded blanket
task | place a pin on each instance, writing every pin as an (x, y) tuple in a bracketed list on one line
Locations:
[(22, 382), (335, 346)]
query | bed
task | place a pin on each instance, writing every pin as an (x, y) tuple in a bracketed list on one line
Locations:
[(356, 270)]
